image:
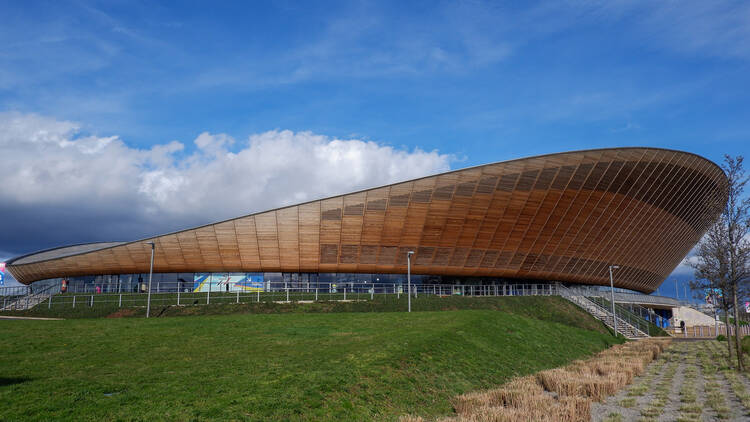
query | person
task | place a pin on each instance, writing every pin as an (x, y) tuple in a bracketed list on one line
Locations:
[(98, 289), (682, 326)]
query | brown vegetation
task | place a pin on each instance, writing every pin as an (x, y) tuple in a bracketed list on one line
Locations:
[(560, 394)]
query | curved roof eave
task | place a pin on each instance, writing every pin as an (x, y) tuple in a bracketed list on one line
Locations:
[(13, 260)]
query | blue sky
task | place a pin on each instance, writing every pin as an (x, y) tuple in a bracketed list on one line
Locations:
[(468, 82)]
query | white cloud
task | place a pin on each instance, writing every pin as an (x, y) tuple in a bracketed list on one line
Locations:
[(53, 173), (685, 266)]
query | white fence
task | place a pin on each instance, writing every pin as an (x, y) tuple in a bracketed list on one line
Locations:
[(281, 294)]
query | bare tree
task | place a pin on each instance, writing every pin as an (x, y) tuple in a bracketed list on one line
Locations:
[(723, 254), (711, 271)]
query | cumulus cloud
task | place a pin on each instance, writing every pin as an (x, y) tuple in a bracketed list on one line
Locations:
[(61, 186)]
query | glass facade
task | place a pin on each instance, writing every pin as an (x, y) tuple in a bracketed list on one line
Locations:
[(270, 281)]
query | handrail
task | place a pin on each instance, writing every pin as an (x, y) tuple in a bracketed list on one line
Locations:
[(20, 299), (624, 314), (569, 293)]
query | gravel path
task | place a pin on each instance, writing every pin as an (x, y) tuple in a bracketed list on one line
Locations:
[(687, 383)]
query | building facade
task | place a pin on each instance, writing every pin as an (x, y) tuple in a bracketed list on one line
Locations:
[(562, 217)]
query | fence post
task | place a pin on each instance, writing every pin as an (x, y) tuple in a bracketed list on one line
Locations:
[(258, 296), (178, 297), (49, 305), (119, 302), (74, 301), (238, 296), (287, 293), (344, 293)]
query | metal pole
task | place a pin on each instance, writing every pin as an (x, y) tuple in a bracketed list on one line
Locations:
[(150, 274), (408, 275), (208, 295), (612, 294)]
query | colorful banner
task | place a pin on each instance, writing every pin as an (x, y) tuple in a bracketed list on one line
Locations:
[(228, 282)]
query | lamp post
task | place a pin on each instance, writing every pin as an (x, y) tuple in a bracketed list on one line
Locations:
[(150, 273), (408, 275), (612, 294)]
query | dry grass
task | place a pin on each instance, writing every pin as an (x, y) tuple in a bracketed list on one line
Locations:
[(710, 367), (560, 394)]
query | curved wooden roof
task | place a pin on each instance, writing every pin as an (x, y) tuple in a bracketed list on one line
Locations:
[(563, 217)]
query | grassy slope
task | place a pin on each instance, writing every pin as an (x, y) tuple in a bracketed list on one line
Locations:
[(549, 308), (294, 366)]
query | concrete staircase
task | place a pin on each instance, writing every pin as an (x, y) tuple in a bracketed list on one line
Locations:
[(602, 314), (23, 303)]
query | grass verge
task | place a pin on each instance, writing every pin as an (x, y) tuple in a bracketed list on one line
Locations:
[(291, 366)]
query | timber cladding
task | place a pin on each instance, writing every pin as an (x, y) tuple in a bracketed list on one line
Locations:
[(563, 217)]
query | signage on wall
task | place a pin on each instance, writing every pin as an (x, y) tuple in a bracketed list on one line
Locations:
[(2, 274), (229, 282)]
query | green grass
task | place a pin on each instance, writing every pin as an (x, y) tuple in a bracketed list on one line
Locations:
[(550, 308), (281, 366)]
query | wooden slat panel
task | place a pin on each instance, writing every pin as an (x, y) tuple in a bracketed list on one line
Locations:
[(268, 241), (287, 221), (309, 236), (229, 250), (559, 217), (247, 243)]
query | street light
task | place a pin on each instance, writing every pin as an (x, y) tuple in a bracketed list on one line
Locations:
[(408, 274), (612, 292), (150, 273)]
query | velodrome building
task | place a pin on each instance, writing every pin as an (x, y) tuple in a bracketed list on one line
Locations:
[(562, 217)]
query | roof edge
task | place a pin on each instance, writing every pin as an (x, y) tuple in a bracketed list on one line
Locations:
[(10, 262)]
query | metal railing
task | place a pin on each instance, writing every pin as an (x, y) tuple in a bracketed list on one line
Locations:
[(279, 293), (503, 289), (624, 314), (602, 313), (29, 300), (708, 331), (14, 291), (623, 297)]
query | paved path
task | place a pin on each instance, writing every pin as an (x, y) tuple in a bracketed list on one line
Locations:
[(690, 381)]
